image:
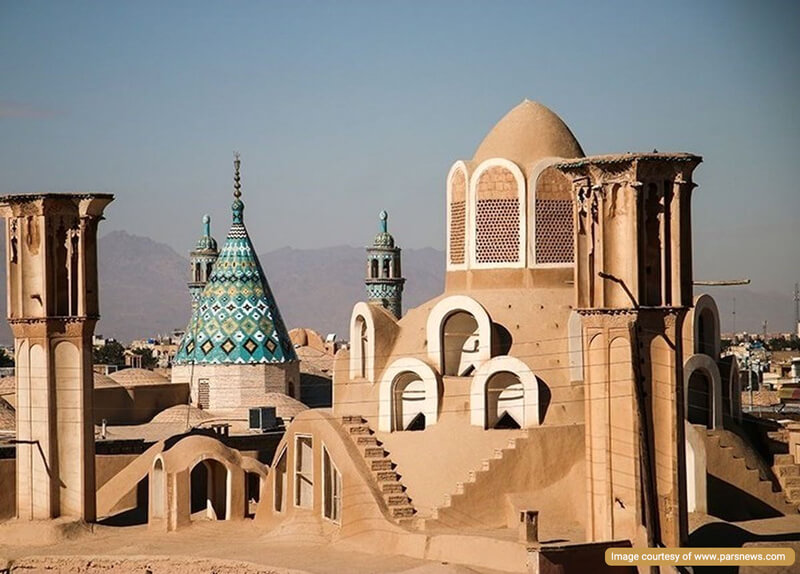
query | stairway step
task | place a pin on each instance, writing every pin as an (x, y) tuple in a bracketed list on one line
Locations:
[(498, 453), (790, 482), (374, 452), (386, 476), (781, 459), (392, 488), (485, 465), (368, 440), (471, 476), (352, 420), (398, 500), (383, 464), (793, 494), (783, 470), (403, 511), (360, 429), (459, 488)]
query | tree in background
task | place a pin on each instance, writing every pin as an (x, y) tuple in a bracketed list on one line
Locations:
[(5, 359), (112, 353)]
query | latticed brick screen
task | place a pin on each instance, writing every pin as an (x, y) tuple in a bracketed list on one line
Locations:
[(458, 217), (497, 217), (554, 219)]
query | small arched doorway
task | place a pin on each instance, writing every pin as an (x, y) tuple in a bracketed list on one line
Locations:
[(209, 490), (408, 402), (700, 402), (159, 490), (252, 493), (460, 344), (505, 401)]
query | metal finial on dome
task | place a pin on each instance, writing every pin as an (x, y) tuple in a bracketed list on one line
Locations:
[(384, 217), (237, 184), (207, 225)]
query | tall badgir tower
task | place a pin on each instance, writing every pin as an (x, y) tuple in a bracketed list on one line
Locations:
[(236, 348), (51, 264), (566, 368)]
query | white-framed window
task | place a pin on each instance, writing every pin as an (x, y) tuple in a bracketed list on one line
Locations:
[(303, 471), (280, 482), (331, 489)]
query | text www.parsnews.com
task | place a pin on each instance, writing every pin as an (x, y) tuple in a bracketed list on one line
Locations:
[(761, 556)]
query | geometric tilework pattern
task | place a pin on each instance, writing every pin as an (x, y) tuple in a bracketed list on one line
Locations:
[(554, 242), (497, 231), (236, 319)]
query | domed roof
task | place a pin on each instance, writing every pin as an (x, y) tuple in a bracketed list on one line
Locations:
[(102, 381), (528, 133), (136, 377), (8, 417), (180, 414), (8, 385)]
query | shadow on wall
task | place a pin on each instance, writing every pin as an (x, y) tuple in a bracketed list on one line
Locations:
[(316, 391), (724, 535), (545, 396), (730, 503)]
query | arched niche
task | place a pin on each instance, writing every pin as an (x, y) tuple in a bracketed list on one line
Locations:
[(210, 480), (702, 390), (362, 343), (497, 215), (504, 385), (408, 388), (460, 335), (705, 326), (457, 216), (158, 490)]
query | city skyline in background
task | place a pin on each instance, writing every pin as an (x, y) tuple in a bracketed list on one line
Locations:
[(342, 110)]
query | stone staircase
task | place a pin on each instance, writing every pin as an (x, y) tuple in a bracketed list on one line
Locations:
[(744, 469), (398, 504), (448, 515), (788, 473)]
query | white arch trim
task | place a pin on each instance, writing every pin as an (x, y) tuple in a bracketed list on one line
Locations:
[(704, 363), (458, 166), (362, 309), (430, 406), (523, 212), (504, 364), (439, 314)]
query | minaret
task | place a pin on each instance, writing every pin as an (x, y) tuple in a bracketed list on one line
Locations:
[(51, 263), (384, 277), (202, 259)]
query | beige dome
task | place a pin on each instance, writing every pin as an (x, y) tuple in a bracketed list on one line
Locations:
[(285, 406), (526, 134), (8, 385), (180, 414), (134, 377)]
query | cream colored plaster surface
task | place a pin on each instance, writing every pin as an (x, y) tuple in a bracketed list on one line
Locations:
[(202, 547)]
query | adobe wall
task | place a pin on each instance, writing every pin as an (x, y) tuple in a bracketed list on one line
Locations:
[(108, 465)]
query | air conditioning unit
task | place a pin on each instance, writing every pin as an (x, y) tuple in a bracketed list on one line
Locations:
[(262, 418)]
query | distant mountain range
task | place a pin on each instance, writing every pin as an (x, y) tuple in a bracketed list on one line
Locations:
[(143, 289)]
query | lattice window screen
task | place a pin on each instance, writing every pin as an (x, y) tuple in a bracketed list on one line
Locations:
[(458, 217), (497, 217), (554, 242)]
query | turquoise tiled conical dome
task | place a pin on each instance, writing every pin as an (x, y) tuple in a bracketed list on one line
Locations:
[(236, 319)]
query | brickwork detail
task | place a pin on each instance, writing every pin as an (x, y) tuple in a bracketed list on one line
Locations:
[(458, 217), (497, 216)]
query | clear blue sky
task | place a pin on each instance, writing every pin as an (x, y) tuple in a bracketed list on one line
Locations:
[(341, 109)]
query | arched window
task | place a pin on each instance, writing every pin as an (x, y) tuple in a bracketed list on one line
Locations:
[(408, 396), (460, 344), (498, 218), (457, 216), (373, 269), (280, 482), (504, 394), (460, 335), (408, 402), (700, 400), (553, 219), (209, 489), (362, 342), (303, 471), (158, 489), (505, 401)]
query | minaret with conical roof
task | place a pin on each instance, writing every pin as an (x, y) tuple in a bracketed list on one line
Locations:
[(236, 349), (202, 259), (384, 276)]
